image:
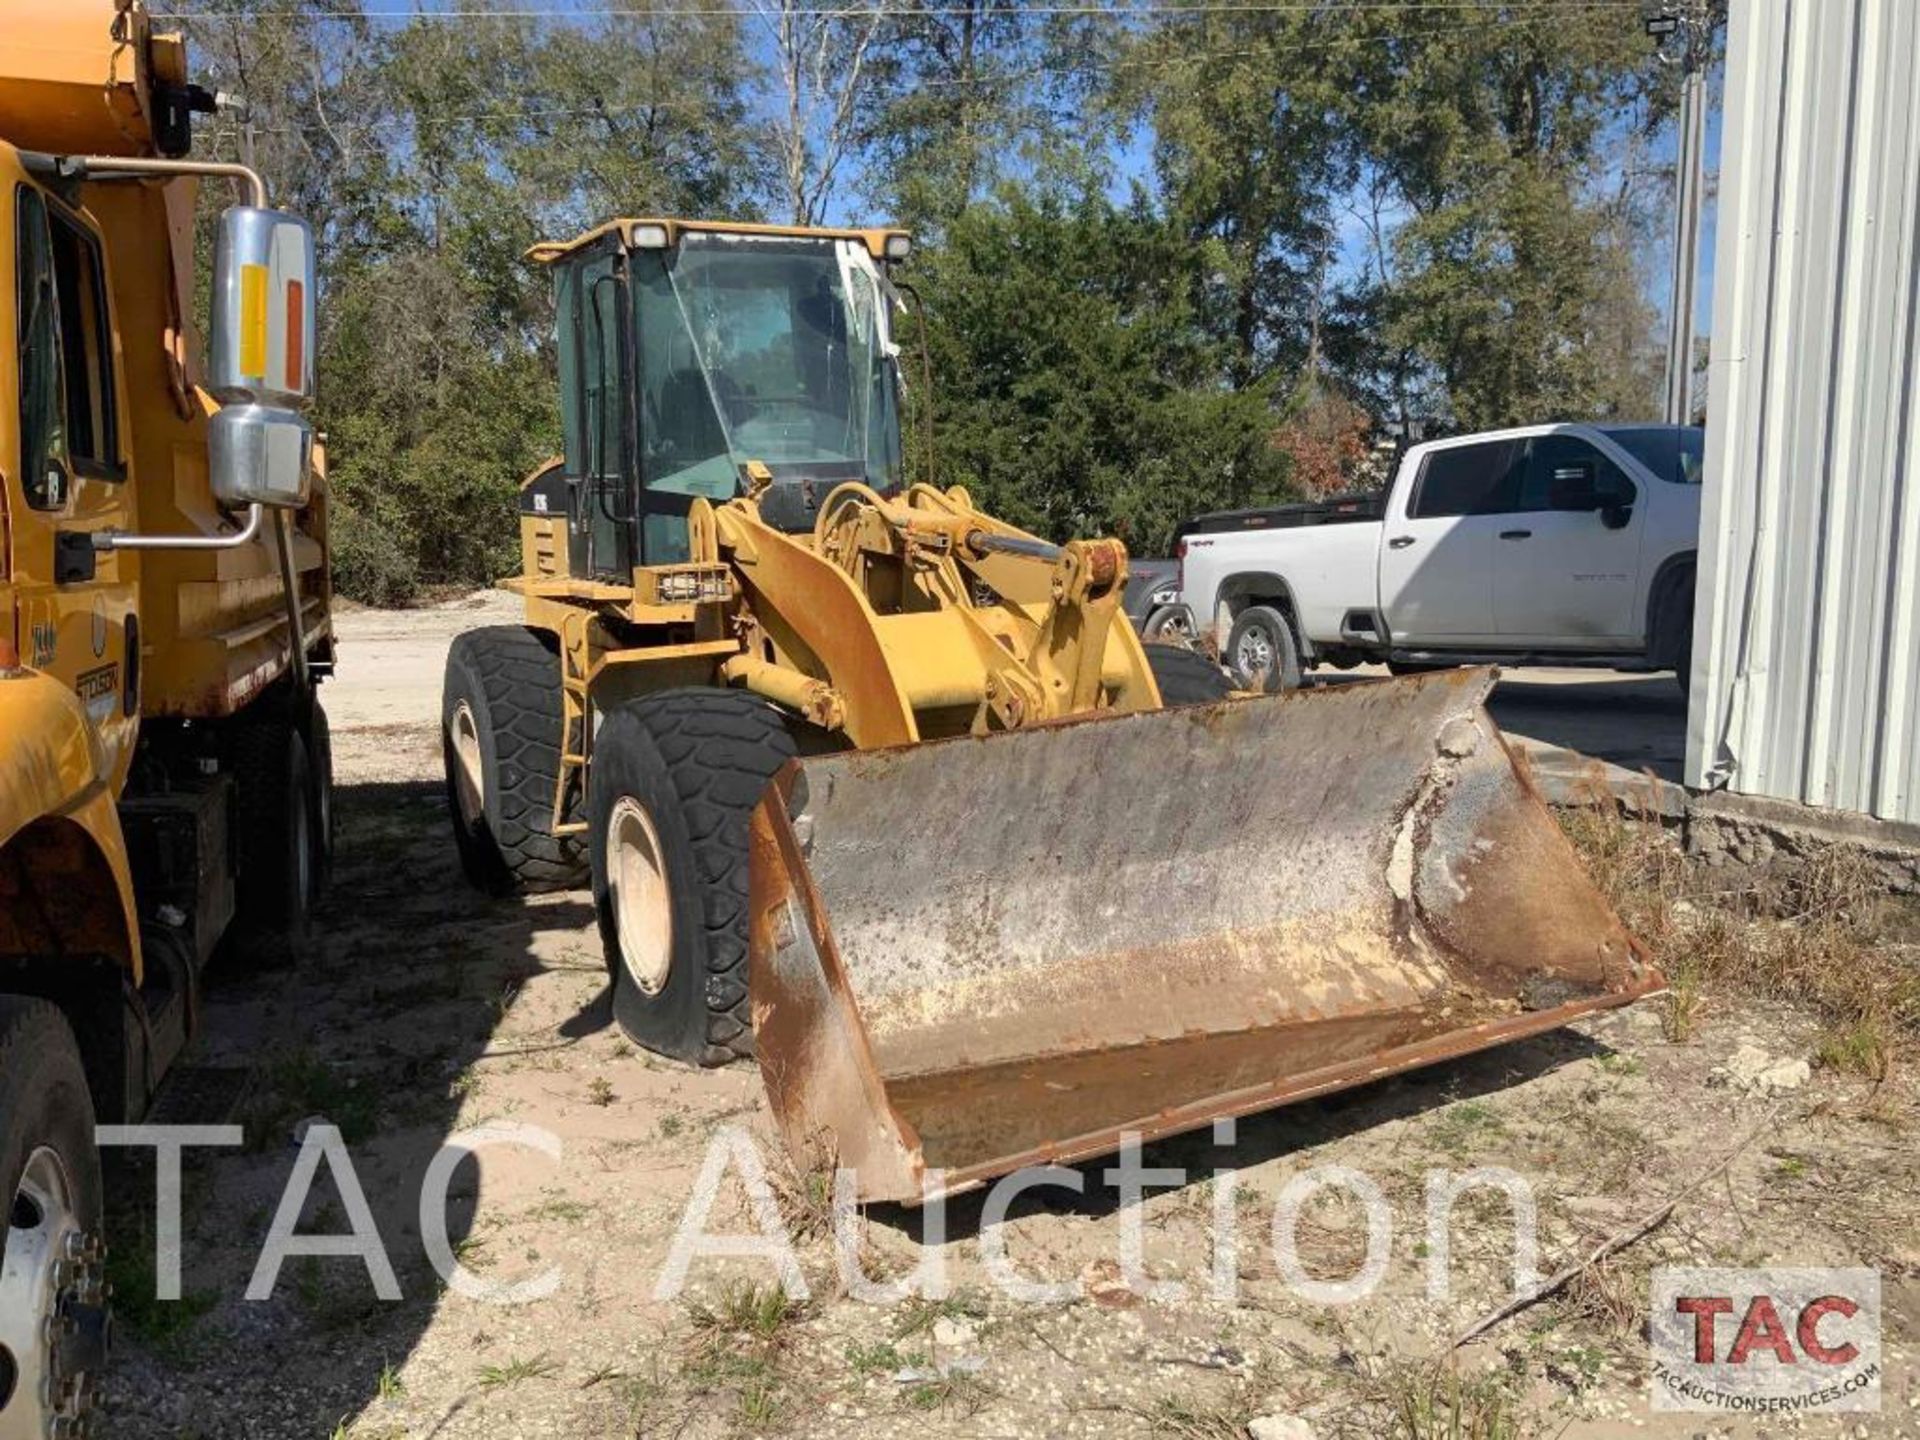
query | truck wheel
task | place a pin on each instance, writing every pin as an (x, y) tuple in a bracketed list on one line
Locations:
[(672, 788), (1169, 625), (1186, 677), (1261, 652), (54, 1320), (277, 842), (500, 736), (320, 749)]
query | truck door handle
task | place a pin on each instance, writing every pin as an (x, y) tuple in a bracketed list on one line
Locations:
[(1399, 542), (1516, 534)]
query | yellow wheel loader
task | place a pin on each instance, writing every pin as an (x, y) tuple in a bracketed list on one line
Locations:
[(886, 793), (164, 764)]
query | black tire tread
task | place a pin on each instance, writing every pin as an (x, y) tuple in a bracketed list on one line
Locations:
[(1186, 677), (520, 671), (721, 748)]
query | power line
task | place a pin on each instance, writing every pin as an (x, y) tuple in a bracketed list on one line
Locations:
[(1122, 9)]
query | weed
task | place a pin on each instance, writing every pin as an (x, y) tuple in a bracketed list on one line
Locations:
[(1432, 1402), (600, 1092), (537, 1367), (756, 1311), (958, 1393), (877, 1359), (390, 1386), (1192, 1420), (1464, 1125), (300, 1085), (672, 1124), (739, 1344), (558, 1207)]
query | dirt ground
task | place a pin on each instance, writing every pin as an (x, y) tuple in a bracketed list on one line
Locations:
[(430, 1010)]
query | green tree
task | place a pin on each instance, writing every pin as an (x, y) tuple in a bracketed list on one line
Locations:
[(1077, 389)]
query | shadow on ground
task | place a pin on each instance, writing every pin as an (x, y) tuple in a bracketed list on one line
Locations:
[(377, 1032)]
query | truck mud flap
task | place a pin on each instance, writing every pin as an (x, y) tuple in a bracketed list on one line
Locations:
[(976, 955)]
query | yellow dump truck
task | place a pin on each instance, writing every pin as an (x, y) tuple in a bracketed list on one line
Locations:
[(164, 618), (884, 792)]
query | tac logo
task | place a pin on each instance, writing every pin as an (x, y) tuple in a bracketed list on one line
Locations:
[(1768, 1341)]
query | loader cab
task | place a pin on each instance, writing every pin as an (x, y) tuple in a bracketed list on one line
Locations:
[(686, 353)]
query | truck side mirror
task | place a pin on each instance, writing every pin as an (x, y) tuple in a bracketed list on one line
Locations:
[(260, 447)]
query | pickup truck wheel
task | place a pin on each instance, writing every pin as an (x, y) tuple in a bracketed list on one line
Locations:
[(1261, 651), (670, 794), (1169, 625), (500, 722), (54, 1318), (1186, 677)]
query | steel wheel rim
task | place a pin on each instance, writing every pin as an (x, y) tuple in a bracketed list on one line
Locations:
[(642, 902), (49, 1264), (469, 772), (1253, 655)]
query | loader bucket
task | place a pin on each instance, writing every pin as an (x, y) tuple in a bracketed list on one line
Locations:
[(975, 955)]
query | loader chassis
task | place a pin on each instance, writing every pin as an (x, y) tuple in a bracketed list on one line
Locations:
[(872, 785)]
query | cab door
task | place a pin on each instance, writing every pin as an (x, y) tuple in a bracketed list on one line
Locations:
[(1436, 558), (1567, 562), (74, 606)]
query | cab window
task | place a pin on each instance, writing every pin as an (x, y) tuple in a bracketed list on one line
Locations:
[(1478, 479), (67, 421), (43, 435)]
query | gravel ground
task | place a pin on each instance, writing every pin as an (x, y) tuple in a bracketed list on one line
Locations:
[(431, 1011)]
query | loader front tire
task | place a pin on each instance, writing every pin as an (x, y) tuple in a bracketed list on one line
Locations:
[(672, 789), (1186, 677), (500, 721)]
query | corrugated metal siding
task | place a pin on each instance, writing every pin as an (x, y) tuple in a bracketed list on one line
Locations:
[(1806, 682)]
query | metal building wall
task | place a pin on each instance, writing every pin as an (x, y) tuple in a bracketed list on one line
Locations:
[(1806, 680)]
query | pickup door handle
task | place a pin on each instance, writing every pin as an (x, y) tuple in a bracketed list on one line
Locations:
[(1399, 542), (1516, 534)]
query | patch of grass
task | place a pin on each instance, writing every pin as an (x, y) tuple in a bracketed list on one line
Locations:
[(877, 1359), (301, 1084), (1185, 1419), (759, 1312), (559, 1207), (600, 1092), (1818, 932), (165, 1324), (739, 1348), (672, 1125), (389, 1386), (516, 1371), (1466, 1124), (1431, 1402)]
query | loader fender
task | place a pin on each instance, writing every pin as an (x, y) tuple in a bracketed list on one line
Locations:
[(1146, 922), (58, 823)]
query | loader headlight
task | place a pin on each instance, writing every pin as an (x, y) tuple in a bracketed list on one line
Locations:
[(899, 247), (648, 237)]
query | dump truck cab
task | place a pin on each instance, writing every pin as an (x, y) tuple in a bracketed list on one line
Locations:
[(164, 619)]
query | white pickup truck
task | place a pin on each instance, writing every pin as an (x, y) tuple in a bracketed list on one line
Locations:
[(1552, 544)]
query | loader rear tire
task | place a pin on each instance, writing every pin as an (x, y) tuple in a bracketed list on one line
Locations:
[(673, 786), (500, 719), (1186, 677)]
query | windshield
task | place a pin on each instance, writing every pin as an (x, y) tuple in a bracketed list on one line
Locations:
[(774, 350)]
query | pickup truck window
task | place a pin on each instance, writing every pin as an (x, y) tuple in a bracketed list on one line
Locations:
[(1672, 452), (1481, 479), (1568, 473)]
